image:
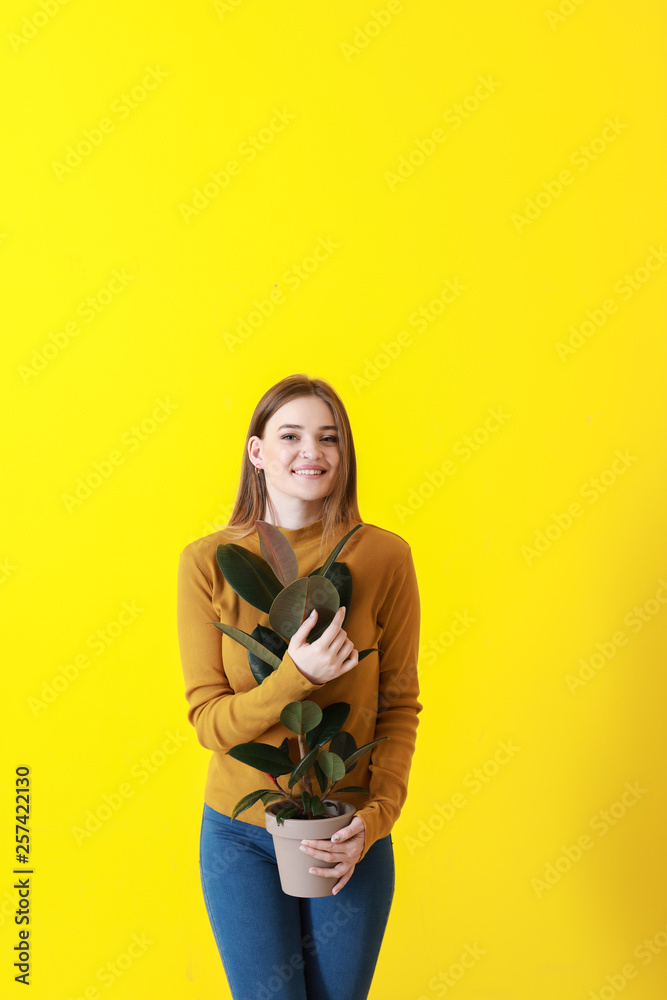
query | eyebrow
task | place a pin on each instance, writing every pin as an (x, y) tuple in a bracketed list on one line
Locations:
[(299, 427)]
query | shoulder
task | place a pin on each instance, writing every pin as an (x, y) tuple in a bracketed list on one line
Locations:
[(384, 543), (202, 551)]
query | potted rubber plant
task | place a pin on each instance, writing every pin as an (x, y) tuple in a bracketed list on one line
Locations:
[(271, 583), (293, 816)]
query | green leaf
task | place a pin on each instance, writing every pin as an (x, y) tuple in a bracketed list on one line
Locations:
[(250, 643), (302, 767), (300, 716), (353, 788), (316, 806), (269, 640), (278, 552), (340, 576), (352, 760), (321, 777), (337, 549), (294, 603), (271, 797), (248, 575), (332, 765), (285, 813), (252, 797), (305, 798), (264, 757), (344, 744), (333, 717)]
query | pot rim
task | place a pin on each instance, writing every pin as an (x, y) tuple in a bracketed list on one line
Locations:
[(274, 808), (293, 827)]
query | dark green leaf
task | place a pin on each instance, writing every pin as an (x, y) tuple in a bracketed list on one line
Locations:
[(264, 757), (340, 576), (250, 643), (305, 798), (353, 788), (248, 575), (316, 806), (343, 744), (302, 767), (352, 760), (272, 797), (286, 813), (321, 777), (333, 717), (274, 643), (252, 797), (338, 547), (300, 716)]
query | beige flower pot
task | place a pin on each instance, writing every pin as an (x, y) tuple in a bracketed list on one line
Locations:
[(293, 863)]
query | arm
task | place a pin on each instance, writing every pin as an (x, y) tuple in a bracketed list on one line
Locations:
[(222, 718), (398, 704)]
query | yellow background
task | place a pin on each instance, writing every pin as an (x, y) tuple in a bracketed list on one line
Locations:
[(150, 372)]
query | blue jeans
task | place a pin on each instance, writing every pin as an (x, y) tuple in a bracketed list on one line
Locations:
[(279, 947)]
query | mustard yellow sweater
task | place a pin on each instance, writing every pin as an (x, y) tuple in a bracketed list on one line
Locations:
[(227, 706)]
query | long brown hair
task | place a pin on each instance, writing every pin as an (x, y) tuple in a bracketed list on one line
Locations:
[(340, 510)]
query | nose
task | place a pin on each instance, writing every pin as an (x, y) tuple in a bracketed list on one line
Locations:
[(309, 450)]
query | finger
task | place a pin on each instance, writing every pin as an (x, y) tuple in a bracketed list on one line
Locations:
[(334, 850), (334, 872), (355, 826), (307, 623), (345, 879), (333, 859), (333, 627), (350, 661), (319, 845), (324, 855)]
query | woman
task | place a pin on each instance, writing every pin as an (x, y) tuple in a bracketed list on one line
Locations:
[(273, 945)]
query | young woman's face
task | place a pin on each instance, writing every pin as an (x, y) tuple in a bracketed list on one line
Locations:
[(312, 442)]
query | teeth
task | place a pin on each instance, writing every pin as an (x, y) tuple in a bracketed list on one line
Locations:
[(308, 472)]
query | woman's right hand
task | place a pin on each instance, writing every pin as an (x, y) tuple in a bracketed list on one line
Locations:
[(329, 656)]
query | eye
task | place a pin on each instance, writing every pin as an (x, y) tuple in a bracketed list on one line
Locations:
[(329, 437)]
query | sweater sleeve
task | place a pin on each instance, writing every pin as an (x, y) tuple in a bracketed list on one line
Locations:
[(398, 704), (221, 717)]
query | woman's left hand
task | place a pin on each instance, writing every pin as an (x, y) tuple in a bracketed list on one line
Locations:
[(344, 848)]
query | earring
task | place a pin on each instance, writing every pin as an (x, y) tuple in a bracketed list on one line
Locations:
[(257, 469)]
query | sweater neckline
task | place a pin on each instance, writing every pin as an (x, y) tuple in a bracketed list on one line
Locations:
[(304, 534)]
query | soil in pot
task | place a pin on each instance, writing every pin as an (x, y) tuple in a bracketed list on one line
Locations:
[(293, 863)]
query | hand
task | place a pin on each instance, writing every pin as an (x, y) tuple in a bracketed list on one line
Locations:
[(329, 656), (346, 850)]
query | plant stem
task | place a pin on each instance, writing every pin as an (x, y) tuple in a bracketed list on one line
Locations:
[(303, 750), (289, 795)]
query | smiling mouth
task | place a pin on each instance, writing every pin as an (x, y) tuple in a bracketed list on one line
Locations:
[(308, 475)]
